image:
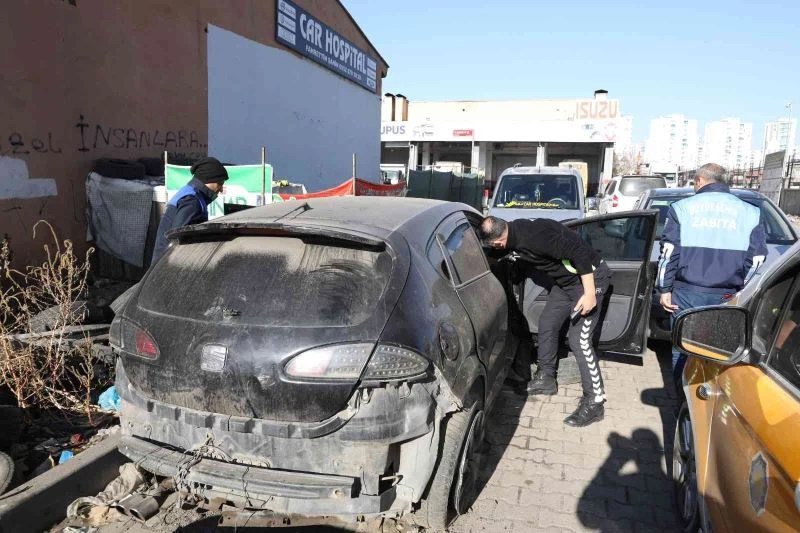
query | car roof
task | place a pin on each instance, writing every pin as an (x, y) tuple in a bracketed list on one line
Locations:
[(689, 191), (377, 215), (540, 170)]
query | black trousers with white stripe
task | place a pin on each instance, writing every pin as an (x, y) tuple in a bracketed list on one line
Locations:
[(560, 304)]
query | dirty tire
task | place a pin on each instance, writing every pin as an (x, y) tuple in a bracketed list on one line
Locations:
[(119, 168), (153, 166), (6, 471), (436, 512)]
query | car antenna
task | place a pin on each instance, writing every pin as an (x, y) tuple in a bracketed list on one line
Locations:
[(304, 206)]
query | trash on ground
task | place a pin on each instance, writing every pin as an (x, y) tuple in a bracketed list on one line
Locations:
[(109, 399)]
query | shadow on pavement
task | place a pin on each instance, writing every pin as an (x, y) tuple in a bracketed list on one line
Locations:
[(633, 487), (630, 488)]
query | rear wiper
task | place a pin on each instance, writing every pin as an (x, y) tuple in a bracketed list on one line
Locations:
[(304, 206)]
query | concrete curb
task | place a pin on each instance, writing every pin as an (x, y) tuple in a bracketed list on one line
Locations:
[(40, 503)]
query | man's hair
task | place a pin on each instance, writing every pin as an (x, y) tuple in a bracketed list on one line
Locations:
[(711, 173), (492, 228)]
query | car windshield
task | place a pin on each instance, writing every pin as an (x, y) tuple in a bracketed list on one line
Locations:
[(269, 281), (538, 191), (636, 186), (777, 227)]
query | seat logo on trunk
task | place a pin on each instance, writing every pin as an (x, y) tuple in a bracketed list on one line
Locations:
[(213, 357)]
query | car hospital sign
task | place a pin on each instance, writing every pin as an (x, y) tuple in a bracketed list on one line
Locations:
[(300, 31)]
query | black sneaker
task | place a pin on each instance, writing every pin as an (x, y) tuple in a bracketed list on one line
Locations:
[(543, 384), (588, 412)]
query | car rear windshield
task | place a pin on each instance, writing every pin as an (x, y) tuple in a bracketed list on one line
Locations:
[(538, 191), (269, 281), (776, 225), (634, 186)]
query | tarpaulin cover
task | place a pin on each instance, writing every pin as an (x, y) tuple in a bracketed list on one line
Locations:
[(118, 214), (352, 187), (445, 186)]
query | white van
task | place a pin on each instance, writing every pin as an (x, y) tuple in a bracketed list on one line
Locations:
[(538, 192)]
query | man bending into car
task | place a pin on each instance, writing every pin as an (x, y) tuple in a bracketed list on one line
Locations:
[(580, 281)]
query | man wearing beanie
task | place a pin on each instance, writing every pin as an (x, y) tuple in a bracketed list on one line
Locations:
[(190, 203)]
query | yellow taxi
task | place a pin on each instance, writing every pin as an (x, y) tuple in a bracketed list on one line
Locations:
[(736, 453)]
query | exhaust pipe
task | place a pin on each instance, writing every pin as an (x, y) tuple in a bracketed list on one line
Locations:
[(139, 506)]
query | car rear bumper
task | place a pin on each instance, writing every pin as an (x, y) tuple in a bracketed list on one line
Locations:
[(281, 491), (373, 458)]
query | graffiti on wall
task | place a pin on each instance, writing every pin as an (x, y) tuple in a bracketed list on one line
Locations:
[(18, 147)]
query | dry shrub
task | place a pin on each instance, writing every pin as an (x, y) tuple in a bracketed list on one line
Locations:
[(52, 369)]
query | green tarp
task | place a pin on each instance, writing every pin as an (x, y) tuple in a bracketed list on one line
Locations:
[(445, 186)]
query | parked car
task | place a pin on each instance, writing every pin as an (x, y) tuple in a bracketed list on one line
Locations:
[(622, 192), (781, 235), (735, 453), (539, 192), (333, 358)]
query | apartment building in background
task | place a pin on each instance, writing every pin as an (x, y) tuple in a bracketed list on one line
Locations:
[(673, 139), (780, 135), (727, 142)]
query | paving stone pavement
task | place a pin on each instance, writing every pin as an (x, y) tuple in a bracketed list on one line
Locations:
[(540, 475)]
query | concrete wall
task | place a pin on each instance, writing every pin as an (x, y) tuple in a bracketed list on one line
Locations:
[(85, 79), (311, 120), (790, 201)]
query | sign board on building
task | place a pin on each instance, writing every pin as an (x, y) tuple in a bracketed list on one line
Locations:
[(301, 32), (772, 180), (596, 109), (591, 131)]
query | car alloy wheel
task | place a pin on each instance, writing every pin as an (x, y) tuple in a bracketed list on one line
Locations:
[(684, 473), (468, 466)]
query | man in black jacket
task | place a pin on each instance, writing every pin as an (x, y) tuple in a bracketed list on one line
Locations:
[(580, 281), (190, 203)]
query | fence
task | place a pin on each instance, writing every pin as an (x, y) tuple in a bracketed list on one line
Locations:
[(751, 178), (445, 186)]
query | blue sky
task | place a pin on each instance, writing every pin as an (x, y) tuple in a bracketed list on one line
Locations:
[(705, 59)]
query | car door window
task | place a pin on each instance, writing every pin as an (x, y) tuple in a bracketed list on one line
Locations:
[(769, 312), (465, 253), (785, 356), (436, 258), (619, 239)]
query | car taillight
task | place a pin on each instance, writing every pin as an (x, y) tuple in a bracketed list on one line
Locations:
[(615, 201), (130, 338), (346, 362), (393, 363), (336, 362)]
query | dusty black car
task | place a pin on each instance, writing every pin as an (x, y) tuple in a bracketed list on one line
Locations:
[(338, 357), (332, 358)]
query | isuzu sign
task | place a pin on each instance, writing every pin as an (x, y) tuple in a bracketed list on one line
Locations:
[(305, 34)]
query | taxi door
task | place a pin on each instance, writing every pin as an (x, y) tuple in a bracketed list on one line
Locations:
[(749, 478)]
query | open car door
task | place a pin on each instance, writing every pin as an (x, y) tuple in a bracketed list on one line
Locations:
[(624, 241)]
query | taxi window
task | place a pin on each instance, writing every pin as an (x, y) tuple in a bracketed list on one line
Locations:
[(785, 356), (769, 312)]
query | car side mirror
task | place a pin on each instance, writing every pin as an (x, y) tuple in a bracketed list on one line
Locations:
[(720, 334)]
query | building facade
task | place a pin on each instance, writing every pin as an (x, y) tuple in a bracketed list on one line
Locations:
[(126, 80), (727, 142), (490, 136), (673, 140), (780, 135)]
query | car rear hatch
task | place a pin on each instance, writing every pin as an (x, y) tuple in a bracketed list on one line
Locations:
[(217, 321)]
